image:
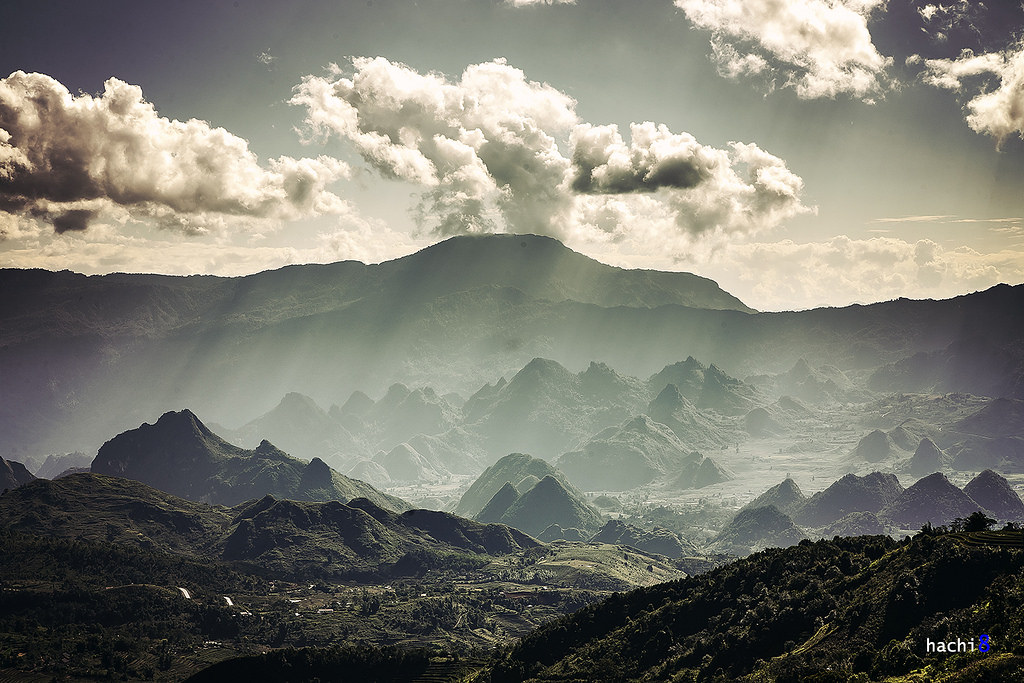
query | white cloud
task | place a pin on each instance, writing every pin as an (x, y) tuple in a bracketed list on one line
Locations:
[(486, 149), (999, 111), (487, 139), (821, 48), (69, 159), (783, 275)]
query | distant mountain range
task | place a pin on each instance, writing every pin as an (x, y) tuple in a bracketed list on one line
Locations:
[(84, 357)]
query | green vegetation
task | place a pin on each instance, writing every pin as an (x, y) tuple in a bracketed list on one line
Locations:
[(854, 608)]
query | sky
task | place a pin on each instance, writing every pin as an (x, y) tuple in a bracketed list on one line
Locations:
[(801, 153)]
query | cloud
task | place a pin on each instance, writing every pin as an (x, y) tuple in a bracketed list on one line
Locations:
[(996, 111), (788, 275), (842, 270), (67, 159), (486, 139), (488, 151), (820, 48)]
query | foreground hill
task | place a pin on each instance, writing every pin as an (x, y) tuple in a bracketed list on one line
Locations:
[(180, 455), (829, 611), (279, 537)]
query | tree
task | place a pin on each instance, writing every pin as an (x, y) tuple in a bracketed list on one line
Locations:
[(978, 521)]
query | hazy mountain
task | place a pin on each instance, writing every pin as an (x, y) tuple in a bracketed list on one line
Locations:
[(425, 320), (658, 540), (977, 364), (869, 493), (994, 493), (403, 413), (550, 502), (545, 408), (302, 428), (1004, 453), (178, 454), (708, 388), (689, 424), (404, 463), (927, 458), (932, 499), (284, 538), (57, 464), (512, 468), (1000, 417), (759, 423), (815, 385), (631, 454), (785, 497), (699, 471), (456, 450), (371, 472), (13, 474), (757, 528), (874, 447)]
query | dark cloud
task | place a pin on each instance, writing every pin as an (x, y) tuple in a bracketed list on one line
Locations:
[(73, 220)]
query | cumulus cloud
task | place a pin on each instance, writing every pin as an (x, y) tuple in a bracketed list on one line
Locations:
[(997, 111), (487, 149), (67, 158), (820, 48), (486, 139)]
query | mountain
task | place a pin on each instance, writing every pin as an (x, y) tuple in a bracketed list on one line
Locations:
[(304, 429), (57, 464), (499, 504), (815, 385), (759, 423), (975, 363), (786, 497), (13, 474), (757, 528), (994, 493), (932, 499), (631, 454), (708, 388), (547, 503), (869, 493), (699, 471), (927, 458), (513, 468), (404, 463), (689, 424), (658, 540), (403, 413), (180, 455), (874, 447), (284, 538), (854, 524), (1000, 417), (222, 345), (545, 408)]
